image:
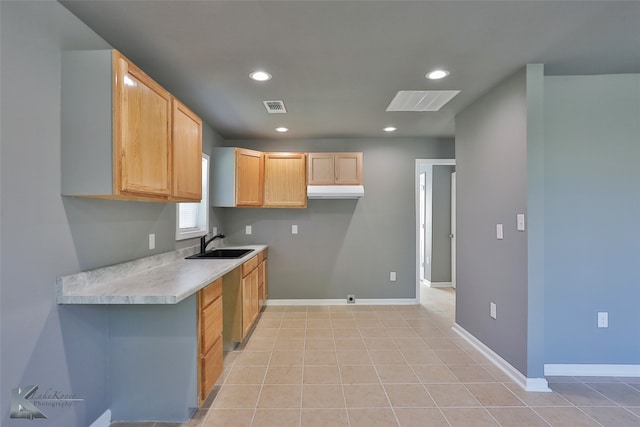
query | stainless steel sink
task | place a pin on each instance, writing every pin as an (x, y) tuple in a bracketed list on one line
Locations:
[(221, 254)]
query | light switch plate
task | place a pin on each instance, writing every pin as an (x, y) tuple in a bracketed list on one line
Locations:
[(214, 230), (493, 310), (152, 241), (392, 276), (294, 229), (520, 222), (247, 229), (499, 232), (603, 319)]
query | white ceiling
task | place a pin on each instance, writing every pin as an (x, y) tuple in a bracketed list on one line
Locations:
[(338, 64)]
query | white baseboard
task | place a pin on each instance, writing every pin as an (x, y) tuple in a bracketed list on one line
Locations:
[(431, 284), (594, 370), (528, 384), (103, 420), (439, 284), (374, 301)]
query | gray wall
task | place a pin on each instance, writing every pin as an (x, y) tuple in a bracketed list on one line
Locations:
[(491, 156), (441, 224), (592, 239), (44, 234), (534, 221), (344, 246)]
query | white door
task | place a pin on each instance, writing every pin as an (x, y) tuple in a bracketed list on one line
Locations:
[(453, 229), (423, 183)]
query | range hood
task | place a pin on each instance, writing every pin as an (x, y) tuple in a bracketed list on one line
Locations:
[(335, 191)]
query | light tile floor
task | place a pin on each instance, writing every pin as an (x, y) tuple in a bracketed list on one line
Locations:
[(390, 366)]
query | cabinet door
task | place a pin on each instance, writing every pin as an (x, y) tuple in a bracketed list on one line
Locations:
[(348, 168), (262, 284), (247, 316), (142, 129), (211, 365), (187, 153), (321, 169), (210, 325), (285, 183), (265, 282), (249, 177), (255, 282), (250, 301)]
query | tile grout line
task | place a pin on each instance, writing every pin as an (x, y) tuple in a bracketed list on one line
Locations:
[(255, 409), (304, 350), (384, 389), (424, 387)]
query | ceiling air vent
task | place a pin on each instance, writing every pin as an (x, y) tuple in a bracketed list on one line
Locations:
[(421, 100), (274, 107)]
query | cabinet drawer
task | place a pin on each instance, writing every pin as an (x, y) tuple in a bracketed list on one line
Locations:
[(248, 266), (211, 325), (211, 292), (210, 369)]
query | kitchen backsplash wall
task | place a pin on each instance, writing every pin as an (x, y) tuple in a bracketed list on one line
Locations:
[(343, 246)]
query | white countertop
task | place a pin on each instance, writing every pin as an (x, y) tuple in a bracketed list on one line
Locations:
[(160, 279)]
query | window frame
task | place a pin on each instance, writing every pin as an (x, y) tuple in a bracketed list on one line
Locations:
[(202, 229)]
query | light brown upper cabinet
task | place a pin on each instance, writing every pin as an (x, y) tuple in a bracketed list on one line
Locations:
[(120, 132), (285, 183), (249, 177), (238, 176), (335, 168), (142, 128), (187, 152)]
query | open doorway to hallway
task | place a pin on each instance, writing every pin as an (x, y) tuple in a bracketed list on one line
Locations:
[(435, 224)]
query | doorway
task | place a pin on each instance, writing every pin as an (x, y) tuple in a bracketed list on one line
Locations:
[(425, 197)]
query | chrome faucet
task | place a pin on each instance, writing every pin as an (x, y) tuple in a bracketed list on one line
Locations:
[(204, 242)]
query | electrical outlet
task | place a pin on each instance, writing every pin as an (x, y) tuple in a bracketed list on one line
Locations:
[(499, 232), (603, 319), (493, 310), (392, 276), (520, 222), (294, 229), (351, 299), (247, 229), (214, 230), (152, 241)]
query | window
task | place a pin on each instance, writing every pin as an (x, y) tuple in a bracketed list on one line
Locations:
[(193, 218)]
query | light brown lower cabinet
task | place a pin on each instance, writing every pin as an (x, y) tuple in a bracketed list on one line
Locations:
[(243, 298), (210, 329), (250, 300), (262, 279)]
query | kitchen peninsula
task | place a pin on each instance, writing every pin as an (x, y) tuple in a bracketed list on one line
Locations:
[(165, 325)]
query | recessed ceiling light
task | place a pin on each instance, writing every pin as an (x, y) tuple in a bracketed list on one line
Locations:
[(390, 129), (437, 74), (282, 129), (260, 76)]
